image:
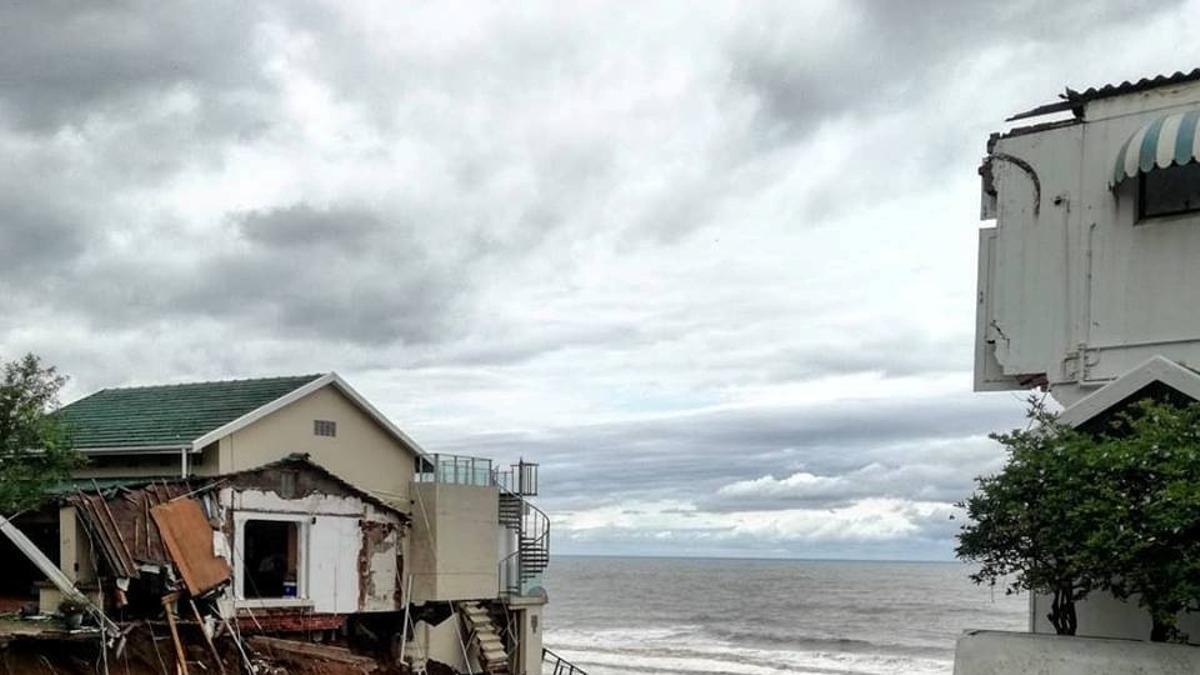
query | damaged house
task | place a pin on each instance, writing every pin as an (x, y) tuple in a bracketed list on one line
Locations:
[(284, 515)]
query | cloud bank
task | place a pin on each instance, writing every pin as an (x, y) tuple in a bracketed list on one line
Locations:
[(712, 265)]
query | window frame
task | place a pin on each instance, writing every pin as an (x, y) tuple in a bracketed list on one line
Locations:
[(303, 596), (329, 425), (1142, 216)]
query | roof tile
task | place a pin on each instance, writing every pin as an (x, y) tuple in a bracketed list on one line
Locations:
[(168, 415)]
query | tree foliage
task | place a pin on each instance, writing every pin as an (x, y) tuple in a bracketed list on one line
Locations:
[(1024, 525), (1072, 512), (35, 449), (1148, 540)]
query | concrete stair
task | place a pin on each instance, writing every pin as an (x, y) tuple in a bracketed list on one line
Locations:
[(485, 637)]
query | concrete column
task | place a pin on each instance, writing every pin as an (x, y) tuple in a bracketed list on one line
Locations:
[(74, 548), (529, 648)]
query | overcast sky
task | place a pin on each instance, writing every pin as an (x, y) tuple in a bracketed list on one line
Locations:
[(712, 264)]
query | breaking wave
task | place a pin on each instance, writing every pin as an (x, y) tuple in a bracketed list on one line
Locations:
[(684, 651)]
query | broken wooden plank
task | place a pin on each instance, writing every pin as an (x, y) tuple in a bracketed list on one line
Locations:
[(168, 602), (189, 541)]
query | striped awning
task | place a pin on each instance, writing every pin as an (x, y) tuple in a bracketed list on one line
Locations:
[(1167, 141)]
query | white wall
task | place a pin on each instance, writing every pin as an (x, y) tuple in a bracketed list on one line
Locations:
[(331, 540), (1102, 615), (997, 653), (1080, 271)]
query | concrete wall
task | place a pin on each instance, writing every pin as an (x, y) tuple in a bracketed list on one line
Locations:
[(1102, 615), (362, 453), (997, 653), (1079, 269), (452, 546)]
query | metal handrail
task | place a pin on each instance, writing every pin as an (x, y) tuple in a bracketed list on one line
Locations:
[(454, 470), (520, 478), (561, 665), (533, 533)]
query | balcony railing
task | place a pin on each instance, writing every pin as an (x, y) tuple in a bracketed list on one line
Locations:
[(454, 470), (520, 479)]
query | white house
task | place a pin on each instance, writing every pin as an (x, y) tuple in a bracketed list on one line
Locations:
[(1087, 278)]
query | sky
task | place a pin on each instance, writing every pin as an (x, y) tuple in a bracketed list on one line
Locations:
[(711, 264)]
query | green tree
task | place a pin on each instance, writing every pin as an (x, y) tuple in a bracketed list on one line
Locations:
[(35, 449), (1148, 538), (1028, 524)]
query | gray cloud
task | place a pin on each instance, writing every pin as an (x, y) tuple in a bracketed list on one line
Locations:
[(854, 446), (663, 249), (63, 64)]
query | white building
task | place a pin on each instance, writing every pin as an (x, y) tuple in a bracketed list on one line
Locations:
[(1087, 277)]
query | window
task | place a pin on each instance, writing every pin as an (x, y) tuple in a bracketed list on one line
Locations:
[(325, 428), (1170, 191), (271, 559)]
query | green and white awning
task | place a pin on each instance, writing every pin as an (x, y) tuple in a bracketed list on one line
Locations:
[(1167, 141)]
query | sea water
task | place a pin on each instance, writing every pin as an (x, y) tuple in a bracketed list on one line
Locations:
[(765, 617)]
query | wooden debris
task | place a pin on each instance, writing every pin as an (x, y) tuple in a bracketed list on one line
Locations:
[(168, 602), (212, 647)]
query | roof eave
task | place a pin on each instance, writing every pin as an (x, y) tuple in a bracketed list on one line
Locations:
[(1155, 369), (140, 449)]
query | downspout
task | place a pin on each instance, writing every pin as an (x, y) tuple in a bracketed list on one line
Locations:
[(1064, 201), (183, 462)]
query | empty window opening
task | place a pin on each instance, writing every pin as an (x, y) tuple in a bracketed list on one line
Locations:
[(271, 559), (1170, 191), (325, 427)]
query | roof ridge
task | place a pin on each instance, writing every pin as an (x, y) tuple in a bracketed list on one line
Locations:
[(273, 378)]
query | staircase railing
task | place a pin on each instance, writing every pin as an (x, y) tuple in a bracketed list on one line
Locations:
[(530, 524), (561, 665)]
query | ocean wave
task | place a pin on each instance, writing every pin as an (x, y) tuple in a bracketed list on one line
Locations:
[(683, 650)]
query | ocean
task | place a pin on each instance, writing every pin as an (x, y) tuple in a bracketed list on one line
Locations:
[(690, 616)]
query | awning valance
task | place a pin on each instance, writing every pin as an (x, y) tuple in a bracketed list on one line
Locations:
[(1166, 141)]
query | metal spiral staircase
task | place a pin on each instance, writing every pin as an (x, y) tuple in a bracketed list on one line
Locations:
[(530, 525)]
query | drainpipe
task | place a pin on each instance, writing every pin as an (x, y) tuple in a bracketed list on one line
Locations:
[(183, 462)]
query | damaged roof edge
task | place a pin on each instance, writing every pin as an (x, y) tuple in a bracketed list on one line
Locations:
[(302, 459), (1075, 100), (108, 487), (1031, 129)]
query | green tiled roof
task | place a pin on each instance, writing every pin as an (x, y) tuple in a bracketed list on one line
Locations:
[(167, 415)]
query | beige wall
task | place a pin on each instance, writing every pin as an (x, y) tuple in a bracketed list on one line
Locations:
[(452, 546), (362, 453)]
